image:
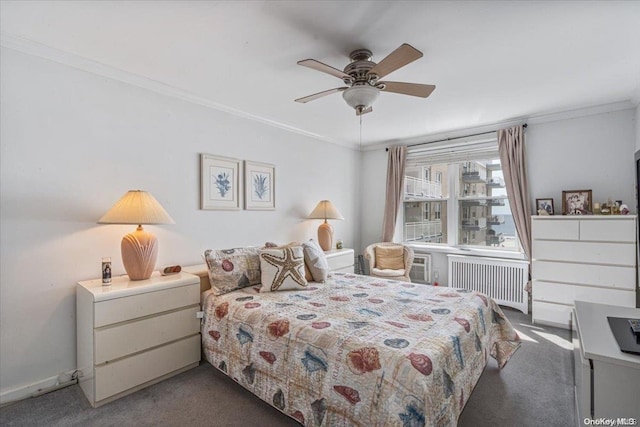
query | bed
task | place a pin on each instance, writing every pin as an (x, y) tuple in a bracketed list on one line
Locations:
[(358, 350)]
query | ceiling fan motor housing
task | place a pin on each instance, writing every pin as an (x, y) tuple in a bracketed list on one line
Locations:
[(359, 67)]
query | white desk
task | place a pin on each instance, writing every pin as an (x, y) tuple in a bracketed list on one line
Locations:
[(607, 380)]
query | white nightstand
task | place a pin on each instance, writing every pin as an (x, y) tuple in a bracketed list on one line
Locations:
[(135, 333), (340, 260)]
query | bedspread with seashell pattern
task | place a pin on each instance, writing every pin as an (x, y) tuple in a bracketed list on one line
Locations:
[(358, 350)]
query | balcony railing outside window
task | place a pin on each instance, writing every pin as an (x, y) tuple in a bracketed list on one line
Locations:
[(421, 188), (426, 231)]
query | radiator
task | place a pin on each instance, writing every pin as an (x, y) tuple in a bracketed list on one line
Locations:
[(504, 280)]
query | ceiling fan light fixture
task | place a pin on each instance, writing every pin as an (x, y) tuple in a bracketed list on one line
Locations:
[(360, 96)]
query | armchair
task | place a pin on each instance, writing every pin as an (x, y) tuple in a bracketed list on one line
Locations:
[(389, 261)]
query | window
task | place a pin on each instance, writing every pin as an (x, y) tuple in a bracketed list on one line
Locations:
[(466, 205)]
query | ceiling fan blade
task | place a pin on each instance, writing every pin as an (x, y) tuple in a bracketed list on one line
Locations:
[(400, 57), (413, 89), (320, 94), (365, 111), (319, 66)]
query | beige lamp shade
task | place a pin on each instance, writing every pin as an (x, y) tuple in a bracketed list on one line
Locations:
[(325, 210), (140, 248)]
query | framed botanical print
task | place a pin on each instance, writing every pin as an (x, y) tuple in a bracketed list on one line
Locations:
[(221, 183), (260, 186)]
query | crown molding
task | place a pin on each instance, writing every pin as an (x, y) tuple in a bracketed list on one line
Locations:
[(72, 60), (533, 119)]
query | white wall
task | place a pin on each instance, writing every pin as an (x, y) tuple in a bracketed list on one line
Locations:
[(590, 152), (75, 142), (374, 182)]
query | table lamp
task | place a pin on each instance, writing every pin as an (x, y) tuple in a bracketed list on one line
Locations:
[(325, 210), (140, 248)]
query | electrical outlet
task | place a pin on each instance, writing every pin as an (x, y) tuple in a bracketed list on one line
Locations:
[(65, 377)]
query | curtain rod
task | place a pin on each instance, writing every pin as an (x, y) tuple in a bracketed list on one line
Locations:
[(451, 139)]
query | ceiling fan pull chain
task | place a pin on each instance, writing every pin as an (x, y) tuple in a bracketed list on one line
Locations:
[(361, 133)]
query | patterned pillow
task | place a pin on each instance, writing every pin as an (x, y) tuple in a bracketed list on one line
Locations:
[(316, 261), (307, 272), (282, 269), (231, 269)]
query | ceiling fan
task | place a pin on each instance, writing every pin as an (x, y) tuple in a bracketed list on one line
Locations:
[(362, 77)]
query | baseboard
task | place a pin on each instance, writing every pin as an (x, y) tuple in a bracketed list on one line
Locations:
[(26, 391)]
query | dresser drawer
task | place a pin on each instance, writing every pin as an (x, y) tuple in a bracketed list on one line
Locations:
[(128, 338), (585, 252), (131, 307), (555, 229), (619, 277), (608, 230), (117, 377), (568, 294), (340, 260), (551, 314)]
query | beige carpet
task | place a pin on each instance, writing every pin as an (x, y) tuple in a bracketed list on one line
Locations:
[(534, 389)]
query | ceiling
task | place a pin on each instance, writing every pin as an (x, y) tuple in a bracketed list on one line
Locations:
[(491, 61)]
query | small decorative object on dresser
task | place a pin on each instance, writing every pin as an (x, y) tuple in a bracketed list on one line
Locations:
[(260, 186), (134, 334), (221, 183), (576, 202), (545, 205)]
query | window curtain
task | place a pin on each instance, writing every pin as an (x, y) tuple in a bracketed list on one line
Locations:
[(512, 158), (395, 185)]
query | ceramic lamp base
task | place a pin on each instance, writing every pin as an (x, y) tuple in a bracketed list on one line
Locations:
[(325, 236), (139, 254)]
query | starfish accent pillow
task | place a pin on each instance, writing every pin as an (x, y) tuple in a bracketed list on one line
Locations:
[(282, 269)]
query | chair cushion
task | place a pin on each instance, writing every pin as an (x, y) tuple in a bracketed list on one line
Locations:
[(387, 273), (389, 257)]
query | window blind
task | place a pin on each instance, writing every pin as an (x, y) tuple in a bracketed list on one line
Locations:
[(446, 152)]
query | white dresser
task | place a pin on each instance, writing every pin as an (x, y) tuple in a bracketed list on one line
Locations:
[(607, 381), (340, 260), (587, 258), (135, 333)]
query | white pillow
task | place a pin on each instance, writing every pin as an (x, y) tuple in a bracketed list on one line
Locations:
[(316, 261), (282, 269)]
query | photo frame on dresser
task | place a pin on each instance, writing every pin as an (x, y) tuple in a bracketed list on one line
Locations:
[(546, 205), (259, 185), (576, 202), (221, 186)]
